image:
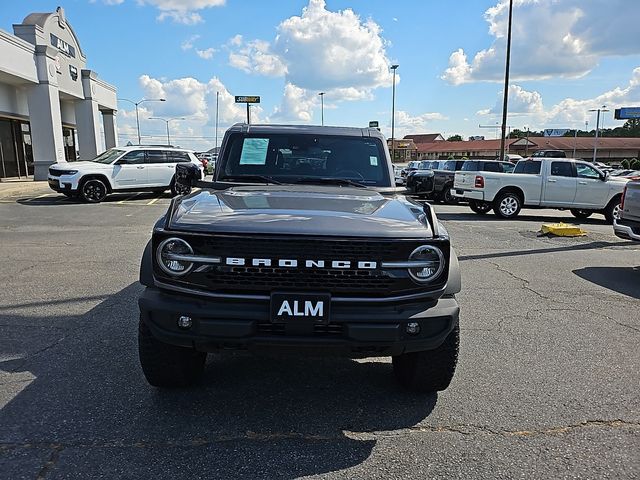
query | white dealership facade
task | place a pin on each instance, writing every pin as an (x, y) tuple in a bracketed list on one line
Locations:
[(51, 105)]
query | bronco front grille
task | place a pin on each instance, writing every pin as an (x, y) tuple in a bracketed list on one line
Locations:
[(347, 282)]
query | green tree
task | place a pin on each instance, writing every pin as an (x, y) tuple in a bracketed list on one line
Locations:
[(634, 164), (626, 164), (455, 138)]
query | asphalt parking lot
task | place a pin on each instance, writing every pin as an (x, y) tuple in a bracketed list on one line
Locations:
[(546, 387)]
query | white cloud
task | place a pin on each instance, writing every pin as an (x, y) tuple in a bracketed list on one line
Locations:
[(297, 105), (406, 123), (206, 54), (188, 43), (255, 56), (550, 39), (180, 11), (320, 50), (185, 97), (521, 102)]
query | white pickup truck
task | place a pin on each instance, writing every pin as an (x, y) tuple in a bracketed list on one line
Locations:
[(559, 183)]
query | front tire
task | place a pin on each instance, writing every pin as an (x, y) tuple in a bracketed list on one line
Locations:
[(166, 365), (429, 371), (612, 211), (93, 190), (447, 197), (582, 214), (481, 208), (507, 205)]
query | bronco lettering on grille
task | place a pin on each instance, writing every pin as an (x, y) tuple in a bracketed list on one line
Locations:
[(294, 263)]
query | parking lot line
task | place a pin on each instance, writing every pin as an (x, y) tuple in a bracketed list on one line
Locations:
[(129, 198), (152, 201)]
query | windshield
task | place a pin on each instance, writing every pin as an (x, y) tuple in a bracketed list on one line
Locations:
[(109, 156), (290, 158)]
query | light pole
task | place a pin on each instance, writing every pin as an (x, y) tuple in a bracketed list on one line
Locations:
[(526, 145), (217, 107), (595, 143), (167, 120), (139, 103), (393, 114), (506, 84), (575, 141), (321, 94)]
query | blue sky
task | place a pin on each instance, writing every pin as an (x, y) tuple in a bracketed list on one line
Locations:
[(563, 61)]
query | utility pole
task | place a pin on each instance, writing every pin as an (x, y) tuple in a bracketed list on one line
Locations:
[(595, 143), (526, 146), (575, 142), (321, 94), (506, 84), (393, 114)]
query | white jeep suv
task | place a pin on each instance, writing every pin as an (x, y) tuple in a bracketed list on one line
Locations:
[(121, 169)]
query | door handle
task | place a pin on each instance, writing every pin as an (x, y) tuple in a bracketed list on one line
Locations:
[(582, 183), (139, 168), (170, 166), (552, 180)]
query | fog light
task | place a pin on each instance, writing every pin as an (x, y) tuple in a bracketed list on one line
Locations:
[(413, 328), (184, 322)]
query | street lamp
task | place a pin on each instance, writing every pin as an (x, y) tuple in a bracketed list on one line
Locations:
[(167, 120), (321, 94), (139, 103), (393, 113), (595, 143)]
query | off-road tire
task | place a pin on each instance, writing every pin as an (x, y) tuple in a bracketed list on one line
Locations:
[(581, 213), (612, 211), (93, 190), (429, 371), (507, 205), (167, 365), (481, 208)]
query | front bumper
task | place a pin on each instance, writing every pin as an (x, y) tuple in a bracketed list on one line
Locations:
[(354, 330), (627, 230), (63, 183)]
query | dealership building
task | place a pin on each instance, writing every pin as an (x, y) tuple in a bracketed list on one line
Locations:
[(51, 105)]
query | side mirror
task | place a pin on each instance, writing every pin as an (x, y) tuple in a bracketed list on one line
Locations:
[(605, 176), (187, 174)]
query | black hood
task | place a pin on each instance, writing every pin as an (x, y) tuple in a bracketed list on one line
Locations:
[(300, 210)]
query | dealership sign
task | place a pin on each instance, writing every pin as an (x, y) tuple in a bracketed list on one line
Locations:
[(627, 113), (247, 99), (555, 132), (63, 46)]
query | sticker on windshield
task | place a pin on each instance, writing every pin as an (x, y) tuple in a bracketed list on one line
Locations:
[(254, 151), (373, 161)]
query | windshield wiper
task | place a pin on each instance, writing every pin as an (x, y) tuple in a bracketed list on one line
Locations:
[(334, 181), (249, 178)]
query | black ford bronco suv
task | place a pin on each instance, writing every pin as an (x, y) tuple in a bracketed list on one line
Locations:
[(301, 243)]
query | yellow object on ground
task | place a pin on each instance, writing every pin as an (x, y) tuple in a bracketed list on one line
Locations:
[(562, 230)]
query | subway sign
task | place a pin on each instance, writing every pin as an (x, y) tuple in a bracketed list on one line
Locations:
[(627, 113), (63, 46), (247, 99)]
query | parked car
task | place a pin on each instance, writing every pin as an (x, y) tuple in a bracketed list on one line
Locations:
[(121, 169), (549, 154), (548, 183), (628, 224), (411, 167), (476, 173), (284, 254), (434, 180), (511, 157), (397, 172)]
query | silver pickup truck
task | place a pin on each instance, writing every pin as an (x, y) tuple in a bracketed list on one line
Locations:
[(628, 225)]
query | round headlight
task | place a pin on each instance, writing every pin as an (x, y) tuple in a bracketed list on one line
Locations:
[(169, 255), (429, 263)]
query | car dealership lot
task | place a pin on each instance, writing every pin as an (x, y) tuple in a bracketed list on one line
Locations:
[(546, 384)]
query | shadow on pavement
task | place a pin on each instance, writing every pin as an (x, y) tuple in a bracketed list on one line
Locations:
[(252, 417), (535, 251), (470, 216), (624, 280), (112, 198)]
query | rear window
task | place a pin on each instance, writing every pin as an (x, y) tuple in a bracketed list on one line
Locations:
[(492, 167), (470, 167), (449, 166), (531, 167)]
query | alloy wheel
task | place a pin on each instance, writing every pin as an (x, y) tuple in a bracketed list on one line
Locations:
[(508, 206)]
